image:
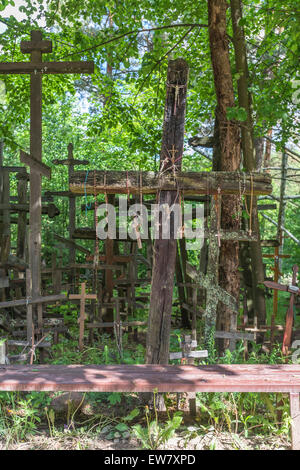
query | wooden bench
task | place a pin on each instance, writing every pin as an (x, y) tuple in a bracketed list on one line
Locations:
[(169, 378)]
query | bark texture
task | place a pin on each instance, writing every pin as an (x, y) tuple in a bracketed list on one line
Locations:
[(249, 162), (229, 142)]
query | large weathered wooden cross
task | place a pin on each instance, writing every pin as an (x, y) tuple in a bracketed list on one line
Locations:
[(37, 68), (168, 184)]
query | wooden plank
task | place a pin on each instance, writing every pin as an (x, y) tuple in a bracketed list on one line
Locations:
[(70, 161), (237, 335), (274, 378), (266, 207), (31, 46), (46, 299), (35, 164), (13, 342), (136, 182), (46, 68), (71, 242), (271, 243), (50, 209), (193, 354), (111, 324), (58, 194), (13, 169)]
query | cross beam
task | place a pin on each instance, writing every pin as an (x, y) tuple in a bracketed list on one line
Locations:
[(147, 182)]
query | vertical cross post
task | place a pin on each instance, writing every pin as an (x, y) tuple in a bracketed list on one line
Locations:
[(164, 253)]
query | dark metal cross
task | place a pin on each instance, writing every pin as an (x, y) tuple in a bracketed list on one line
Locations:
[(36, 68)]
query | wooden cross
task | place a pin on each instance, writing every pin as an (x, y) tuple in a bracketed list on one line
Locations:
[(71, 162), (187, 355), (82, 297), (36, 68), (210, 281), (276, 256), (294, 290)]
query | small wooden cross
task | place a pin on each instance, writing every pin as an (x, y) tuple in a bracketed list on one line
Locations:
[(82, 297), (187, 354)]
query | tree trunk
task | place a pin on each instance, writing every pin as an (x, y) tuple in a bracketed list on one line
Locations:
[(248, 155), (164, 257), (229, 138)]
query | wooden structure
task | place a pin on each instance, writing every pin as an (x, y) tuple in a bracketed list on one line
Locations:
[(277, 256), (164, 378), (36, 68), (294, 290)]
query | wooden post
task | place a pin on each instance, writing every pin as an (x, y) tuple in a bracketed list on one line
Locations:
[(181, 291), (109, 259), (22, 217), (287, 338), (56, 274), (72, 217), (277, 256), (164, 257), (29, 316), (5, 242), (295, 415), (282, 204)]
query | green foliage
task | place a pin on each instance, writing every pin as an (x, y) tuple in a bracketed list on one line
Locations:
[(156, 434), (18, 417)]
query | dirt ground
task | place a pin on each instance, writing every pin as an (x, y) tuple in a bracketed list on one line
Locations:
[(209, 441)]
